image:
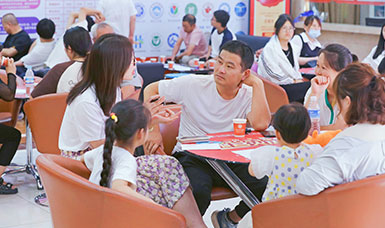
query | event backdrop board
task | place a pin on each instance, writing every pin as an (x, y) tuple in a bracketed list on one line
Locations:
[(158, 22)]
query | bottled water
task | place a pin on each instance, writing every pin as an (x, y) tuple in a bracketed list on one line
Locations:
[(314, 113), (29, 80)]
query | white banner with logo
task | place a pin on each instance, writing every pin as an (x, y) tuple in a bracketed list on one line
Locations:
[(158, 22)]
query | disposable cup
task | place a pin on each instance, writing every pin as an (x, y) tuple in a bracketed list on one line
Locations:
[(4, 61), (196, 62), (171, 64), (239, 127), (162, 59), (153, 60), (201, 65), (211, 64)]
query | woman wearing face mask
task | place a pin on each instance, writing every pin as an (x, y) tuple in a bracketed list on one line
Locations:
[(378, 52), (308, 42)]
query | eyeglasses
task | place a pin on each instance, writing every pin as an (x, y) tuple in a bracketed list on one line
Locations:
[(290, 29)]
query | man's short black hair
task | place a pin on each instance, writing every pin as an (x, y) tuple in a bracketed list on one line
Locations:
[(190, 19), (292, 121), (242, 50), (222, 17), (45, 28)]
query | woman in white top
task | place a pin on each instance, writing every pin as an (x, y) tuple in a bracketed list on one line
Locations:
[(77, 43), (378, 52), (278, 61), (308, 42), (332, 59), (358, 151), (90, 101), (153, 178)]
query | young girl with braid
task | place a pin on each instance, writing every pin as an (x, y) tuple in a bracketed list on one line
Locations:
[(155, 178)]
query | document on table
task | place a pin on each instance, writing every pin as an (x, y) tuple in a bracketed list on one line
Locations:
[(244, 153), (201, 146), (179, 67)]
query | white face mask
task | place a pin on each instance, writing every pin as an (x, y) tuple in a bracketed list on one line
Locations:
[(314, 33)]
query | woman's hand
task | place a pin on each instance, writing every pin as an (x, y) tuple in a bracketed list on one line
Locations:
[(318, 85), (11, 67)]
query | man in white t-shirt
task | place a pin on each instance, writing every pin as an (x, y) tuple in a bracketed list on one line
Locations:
[(40, 48), (121, 15), (209, 105)]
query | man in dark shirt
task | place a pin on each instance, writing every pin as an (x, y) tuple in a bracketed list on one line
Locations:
[(17, 43)]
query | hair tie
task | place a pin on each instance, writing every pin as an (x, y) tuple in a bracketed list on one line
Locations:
[(114, 117), (372, 82)]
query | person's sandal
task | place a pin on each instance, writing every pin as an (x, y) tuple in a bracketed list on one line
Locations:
[(6, 188)]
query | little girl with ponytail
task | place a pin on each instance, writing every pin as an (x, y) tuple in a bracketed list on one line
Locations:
[(156, 178)]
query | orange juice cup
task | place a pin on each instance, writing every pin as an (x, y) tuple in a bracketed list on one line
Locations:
[(201, 65), (211, 64), (170, 64), (162, 59), (239, 127)]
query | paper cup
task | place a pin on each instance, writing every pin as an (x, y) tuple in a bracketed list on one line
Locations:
[(143, 59), (4, 61), (162, 59), (196, 62), (239, 127), (153, 60), (201, 65), (211, 64), (170, 64)]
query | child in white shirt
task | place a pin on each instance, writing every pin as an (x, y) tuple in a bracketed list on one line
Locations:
[(282, 164), (155, 178)]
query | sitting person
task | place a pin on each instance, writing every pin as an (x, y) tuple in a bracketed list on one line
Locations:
[(40, 49), (377, 54), (209, 105), (111, 60), (100, 29), (220, 33), (282, 164), (332, 59), (381, 67), (194, 40), (9, 136), (278, 61), (77, 43), (308, 42), (17, 43), (155, 178), (358, 151)]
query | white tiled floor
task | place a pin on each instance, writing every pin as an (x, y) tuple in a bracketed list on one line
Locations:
[(20, 210)]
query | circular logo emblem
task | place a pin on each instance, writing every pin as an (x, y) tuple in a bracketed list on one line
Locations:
[(156, 10), (156, 40), (171, 40), (191, 8), (140, 9), (207, 10), (240, 9), (225, 6), (269, 3), (174, 10)]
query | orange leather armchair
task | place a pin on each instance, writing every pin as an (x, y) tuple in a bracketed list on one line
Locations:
[(276, 96), (45, 114), (356, 204), (76, 202), (169, 133)]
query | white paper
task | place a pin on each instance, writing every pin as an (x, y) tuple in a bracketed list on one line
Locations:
[(179, 67), (201, 146), (244, 153)]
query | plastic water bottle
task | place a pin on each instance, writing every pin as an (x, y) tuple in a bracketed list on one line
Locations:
[(314, 113), (29, 80)]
